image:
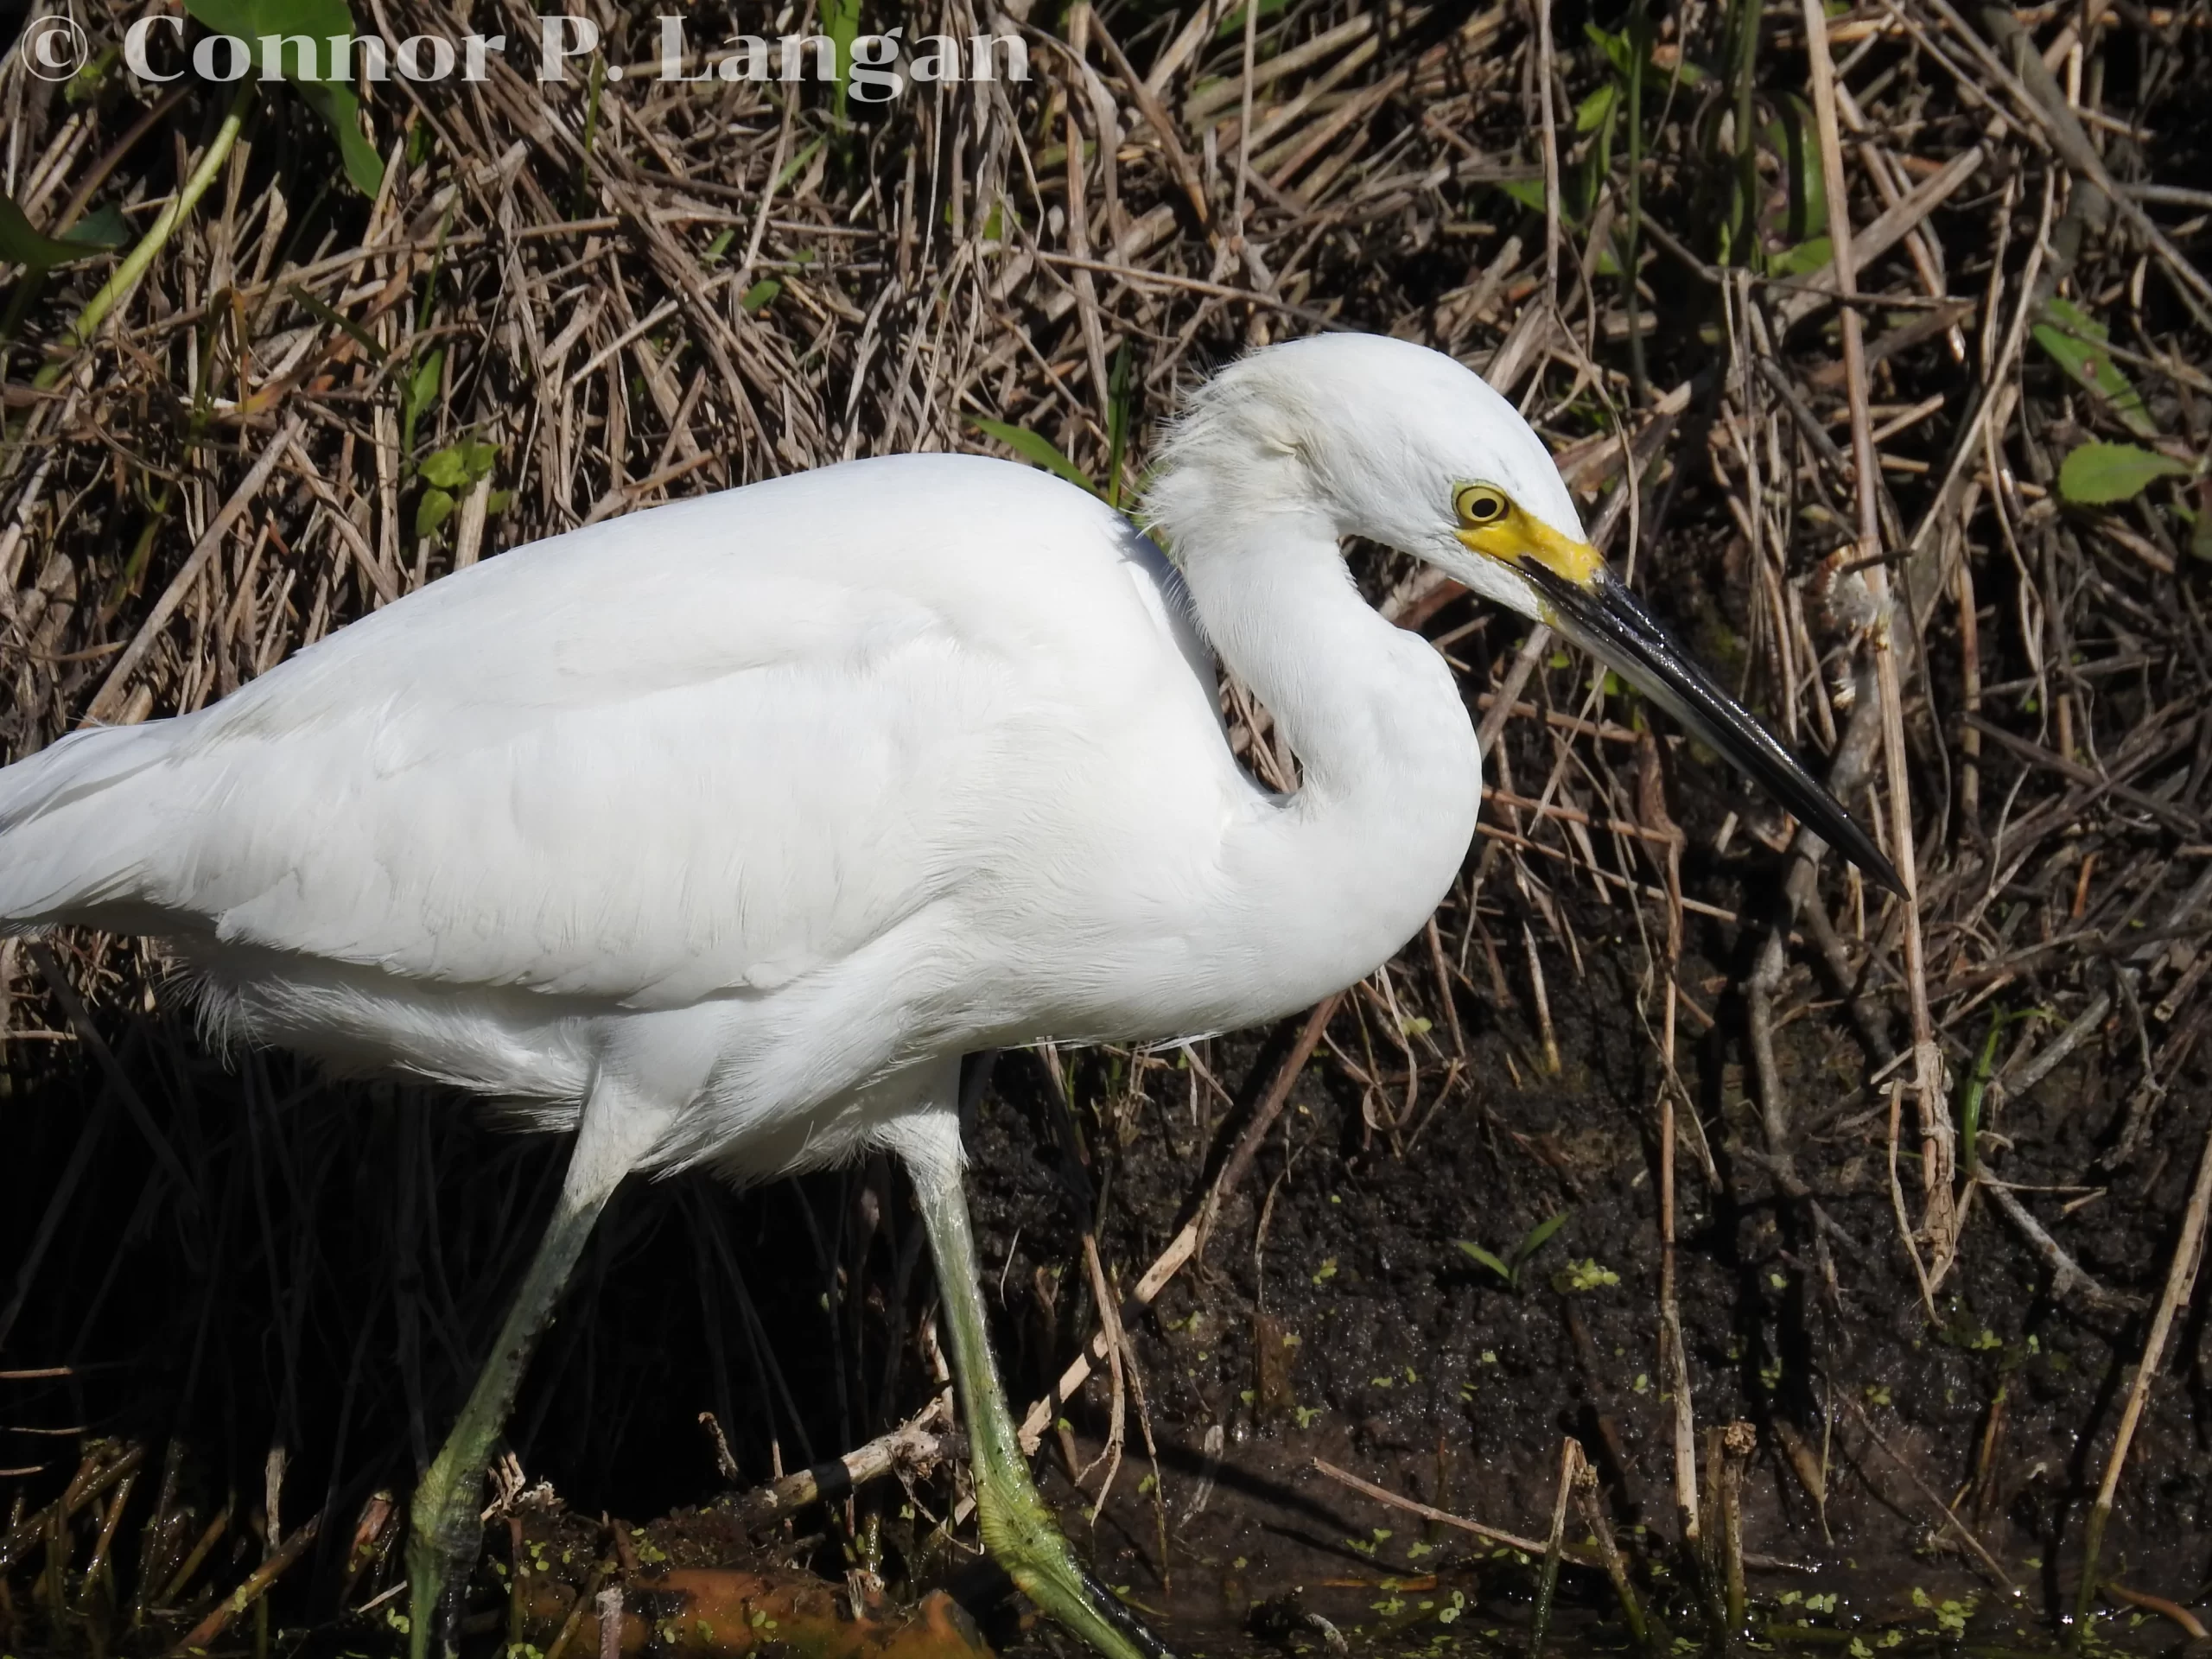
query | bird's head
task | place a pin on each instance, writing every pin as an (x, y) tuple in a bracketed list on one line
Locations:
[(1369, 437)]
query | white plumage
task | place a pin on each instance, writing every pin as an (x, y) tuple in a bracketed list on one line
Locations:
[(717, 788), (729, 826), (760, 798)]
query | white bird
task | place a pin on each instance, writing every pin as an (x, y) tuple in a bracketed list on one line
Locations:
[(719, 833)]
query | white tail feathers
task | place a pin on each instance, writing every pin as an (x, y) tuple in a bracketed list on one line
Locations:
[(64, 849)]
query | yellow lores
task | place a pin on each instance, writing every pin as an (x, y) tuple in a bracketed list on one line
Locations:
[(1490, 523)]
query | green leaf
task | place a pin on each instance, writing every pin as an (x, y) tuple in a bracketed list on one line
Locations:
[(85, 84), (1539, 1236), (1616, 47), (2079, 344), (341, 113), (757, 297), (841, 22), (2099, 475), (2073, 319), (37, 252), (1584, 1276), (458, 465), (719, 246), (1593, 111), (101, 228), (422, 384), (1529, 192), (420, 392), (1803, 259), (1795, 139), (432, 512), (331, 98), (793, 167), (1485, 1258), (1037, 451)]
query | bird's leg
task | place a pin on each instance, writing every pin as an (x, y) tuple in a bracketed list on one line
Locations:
[(1018, 1529), (446, 1527), (445, 1530)]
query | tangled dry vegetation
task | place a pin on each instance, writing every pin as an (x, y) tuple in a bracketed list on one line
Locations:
[(1900, 421)]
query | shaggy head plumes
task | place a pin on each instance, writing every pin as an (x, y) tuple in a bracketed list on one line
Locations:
[(1377, 437)]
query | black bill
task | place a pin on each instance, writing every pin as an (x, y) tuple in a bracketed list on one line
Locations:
[(1610, 623)]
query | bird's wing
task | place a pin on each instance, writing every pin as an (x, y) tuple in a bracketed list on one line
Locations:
[(702, 749)]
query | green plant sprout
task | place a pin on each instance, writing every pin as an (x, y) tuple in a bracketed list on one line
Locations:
[(1508, 1267)]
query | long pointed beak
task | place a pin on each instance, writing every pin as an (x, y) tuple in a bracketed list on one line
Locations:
[(1598, 613)]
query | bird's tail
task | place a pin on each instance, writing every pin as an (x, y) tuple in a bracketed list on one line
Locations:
[(65, 850)]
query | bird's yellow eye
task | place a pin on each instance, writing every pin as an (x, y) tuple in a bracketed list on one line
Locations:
[(1481, 503)]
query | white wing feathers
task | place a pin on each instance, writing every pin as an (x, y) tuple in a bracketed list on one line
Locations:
[(701, 749)]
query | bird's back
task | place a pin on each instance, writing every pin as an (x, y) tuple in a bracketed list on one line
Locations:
[(701, 752)]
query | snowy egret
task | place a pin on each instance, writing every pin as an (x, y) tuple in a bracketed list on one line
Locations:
[(721, 832)]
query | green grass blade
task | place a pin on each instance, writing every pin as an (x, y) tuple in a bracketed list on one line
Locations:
[(1037, 451), (1539, 1236), (1484, 1256)]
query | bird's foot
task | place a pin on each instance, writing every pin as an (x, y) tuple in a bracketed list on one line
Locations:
[(1092, 1612), (1023, 1539), (444, 1535)]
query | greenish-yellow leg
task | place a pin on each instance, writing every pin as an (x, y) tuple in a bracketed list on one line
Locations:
[(447, 1529), (1018, 1529)]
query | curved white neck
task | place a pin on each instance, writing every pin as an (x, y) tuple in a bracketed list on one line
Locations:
[(1360, 855)]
